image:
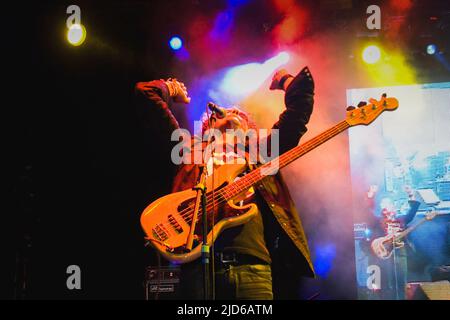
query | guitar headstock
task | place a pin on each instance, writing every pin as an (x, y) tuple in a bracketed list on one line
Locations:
[(369, 112)]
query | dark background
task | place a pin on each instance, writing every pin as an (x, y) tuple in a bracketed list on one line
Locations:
[(79, 170)]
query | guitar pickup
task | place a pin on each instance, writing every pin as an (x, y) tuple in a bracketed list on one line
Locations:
[(175, 225)]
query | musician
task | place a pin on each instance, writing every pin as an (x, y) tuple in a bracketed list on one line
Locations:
[(264, 258), (392, 222)]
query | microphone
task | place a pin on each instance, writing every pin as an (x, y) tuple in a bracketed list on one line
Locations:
[(219, 111)]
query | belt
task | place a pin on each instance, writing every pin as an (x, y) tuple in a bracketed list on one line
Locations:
[(236, 259)]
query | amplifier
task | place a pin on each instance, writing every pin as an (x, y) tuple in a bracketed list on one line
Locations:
[(162, 283), (439, 290), (361, 231)]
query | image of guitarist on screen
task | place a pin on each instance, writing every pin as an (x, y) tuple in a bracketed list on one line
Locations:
[(386, 243), (264, 257)]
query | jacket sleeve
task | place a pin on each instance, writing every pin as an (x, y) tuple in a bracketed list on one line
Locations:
[(413, 207), (299, 100), (153, 107)]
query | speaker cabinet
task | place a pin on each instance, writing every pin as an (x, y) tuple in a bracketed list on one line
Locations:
[(439, 290), (162, 283)]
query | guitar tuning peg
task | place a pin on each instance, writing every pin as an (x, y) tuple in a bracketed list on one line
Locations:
[(350, 108), (362, 104)]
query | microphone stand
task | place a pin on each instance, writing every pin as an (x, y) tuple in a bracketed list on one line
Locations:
[(201, 192), (207, 254), (201, 197)]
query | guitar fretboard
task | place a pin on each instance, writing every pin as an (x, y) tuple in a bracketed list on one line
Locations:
[(413, 227), (272, 166)]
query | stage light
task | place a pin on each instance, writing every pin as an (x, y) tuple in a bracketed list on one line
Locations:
[(431, 49), (236, 3), (280, 59), (76, 34), (242, 80), (176, 43), (325, 255), (371, 54)]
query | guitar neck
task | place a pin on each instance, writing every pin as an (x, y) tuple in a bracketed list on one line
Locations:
[(412, 228), (286, 158)]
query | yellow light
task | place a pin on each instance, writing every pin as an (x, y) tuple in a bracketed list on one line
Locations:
[(76, 34), (393, 71), (371, 54)]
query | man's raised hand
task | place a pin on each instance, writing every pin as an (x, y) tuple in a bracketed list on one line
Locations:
[(178, 91), (281, 80)]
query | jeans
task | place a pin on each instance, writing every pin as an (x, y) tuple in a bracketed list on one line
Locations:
[(233, 282), (397, 273)]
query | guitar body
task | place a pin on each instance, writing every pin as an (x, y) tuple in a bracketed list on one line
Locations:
[(167, 221), (383, 247)]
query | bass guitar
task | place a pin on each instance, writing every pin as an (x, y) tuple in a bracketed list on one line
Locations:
[(383, 247), (167, 221)]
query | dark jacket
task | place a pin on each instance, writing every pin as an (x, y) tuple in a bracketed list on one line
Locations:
[(299, 99)]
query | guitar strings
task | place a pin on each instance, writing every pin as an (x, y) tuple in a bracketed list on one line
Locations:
[(232, 193), (187, 213), (255, 176)]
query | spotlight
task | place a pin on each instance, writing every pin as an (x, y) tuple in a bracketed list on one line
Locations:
[(371, 54), (277, 61), (431, 49), (283, 58), (76, 34), (176, 43), (242, 80)]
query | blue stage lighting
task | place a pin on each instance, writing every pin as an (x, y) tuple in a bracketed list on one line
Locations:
[(431, 49), (176, 43), (236, 3)]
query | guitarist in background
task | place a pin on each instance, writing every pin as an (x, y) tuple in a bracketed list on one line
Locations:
[(264, 258), (390, 224)]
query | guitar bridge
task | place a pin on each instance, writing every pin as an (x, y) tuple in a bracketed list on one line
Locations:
[(162, 243), (183, 249)]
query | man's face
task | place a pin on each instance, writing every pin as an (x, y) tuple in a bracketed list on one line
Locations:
[(232, 120), (386, 203), (391, 215)]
